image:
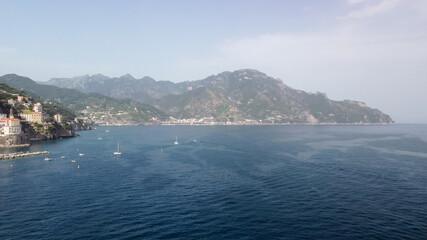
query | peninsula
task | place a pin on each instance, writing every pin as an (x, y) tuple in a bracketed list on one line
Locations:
[(241, 97)]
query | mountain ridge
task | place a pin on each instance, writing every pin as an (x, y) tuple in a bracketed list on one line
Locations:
[(248, 94), (129, 85), (245, 95), (102, 109)]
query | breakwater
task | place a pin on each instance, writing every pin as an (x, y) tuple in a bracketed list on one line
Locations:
[(21, 154)]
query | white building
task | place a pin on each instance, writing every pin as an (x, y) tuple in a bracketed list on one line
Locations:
[(58, 118), (33, 117), (26, 116), (38, 108), (3, 115), (11, 126), (12, 101)]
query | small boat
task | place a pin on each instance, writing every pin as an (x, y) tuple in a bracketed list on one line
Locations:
[(107, 131), (81, 154), (48, 159), (73, 161), (176, 141), (62, 156), (99, 138), (118, 150)]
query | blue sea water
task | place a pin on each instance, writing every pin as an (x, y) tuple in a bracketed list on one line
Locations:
[(221, 182)]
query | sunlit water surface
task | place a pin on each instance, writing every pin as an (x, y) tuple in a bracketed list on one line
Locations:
[(253, 182)]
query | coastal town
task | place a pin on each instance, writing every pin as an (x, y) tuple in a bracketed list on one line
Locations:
[(26, 121)]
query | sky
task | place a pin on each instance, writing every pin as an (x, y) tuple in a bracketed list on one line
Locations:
[(373, 51)]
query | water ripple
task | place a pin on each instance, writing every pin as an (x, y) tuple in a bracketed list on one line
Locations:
[(234, 183)]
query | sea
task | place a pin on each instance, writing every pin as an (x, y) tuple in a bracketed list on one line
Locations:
[(221, 182)]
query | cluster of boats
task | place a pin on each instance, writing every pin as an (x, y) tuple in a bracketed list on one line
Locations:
[(27, 154)]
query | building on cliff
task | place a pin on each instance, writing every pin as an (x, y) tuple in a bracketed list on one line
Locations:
[(12, 102), (10, 126), (58, 118), (22, 99), (36, 117), (38, 108)]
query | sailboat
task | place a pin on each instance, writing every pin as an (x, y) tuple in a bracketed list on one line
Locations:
[(176, 141), (118, 150)]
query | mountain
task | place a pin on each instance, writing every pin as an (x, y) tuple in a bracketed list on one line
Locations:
[(241, 96), (143, 90), (100, 108), (248, 95)]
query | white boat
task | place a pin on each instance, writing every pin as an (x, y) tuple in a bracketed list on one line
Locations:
[(118, 150), (107, 131), (176, 141), (48, 159), (99, 138), (81, 154)]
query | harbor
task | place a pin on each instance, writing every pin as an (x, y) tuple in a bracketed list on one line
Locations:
[(21, 155)]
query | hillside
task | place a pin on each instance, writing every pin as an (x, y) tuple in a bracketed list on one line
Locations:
[(101, 109), (143, 90), (48, 128), (243, 95), (247, 95), (50, 107), (240, 96)]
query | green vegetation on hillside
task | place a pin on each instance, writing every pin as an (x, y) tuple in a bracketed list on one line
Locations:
[(50, 107), (241, 96), (96, 106), (252, 95)]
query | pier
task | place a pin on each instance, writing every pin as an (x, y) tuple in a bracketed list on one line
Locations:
[(21, 154)]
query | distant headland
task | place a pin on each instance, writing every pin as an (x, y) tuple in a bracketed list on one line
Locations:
[(242, 97)]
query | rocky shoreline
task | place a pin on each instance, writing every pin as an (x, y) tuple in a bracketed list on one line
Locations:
[(25, 139)]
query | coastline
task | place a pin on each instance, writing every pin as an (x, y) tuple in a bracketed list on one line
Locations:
[(23, 141), (245, 124)]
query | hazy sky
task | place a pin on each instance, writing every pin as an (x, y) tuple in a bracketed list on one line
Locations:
[(369, 50)]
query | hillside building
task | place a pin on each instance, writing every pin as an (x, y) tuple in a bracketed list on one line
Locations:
[(38, 108), (10, 126), (22, 99), (36, 117), (58, 118), (12, 101)]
